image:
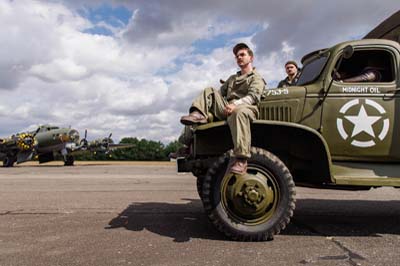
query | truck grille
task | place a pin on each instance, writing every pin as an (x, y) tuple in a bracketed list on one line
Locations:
[(277, 113)]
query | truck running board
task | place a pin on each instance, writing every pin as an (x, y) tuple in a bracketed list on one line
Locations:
[(366, 174)]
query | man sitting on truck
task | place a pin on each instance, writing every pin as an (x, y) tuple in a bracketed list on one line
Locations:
[(236, 102)]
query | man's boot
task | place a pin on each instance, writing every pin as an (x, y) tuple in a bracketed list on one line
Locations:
[(193, 118), (238, 166)]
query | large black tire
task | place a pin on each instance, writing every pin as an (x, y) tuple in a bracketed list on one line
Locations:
[(200, 174), (199, 184), (251, 207), (9, 162), (69, 160)]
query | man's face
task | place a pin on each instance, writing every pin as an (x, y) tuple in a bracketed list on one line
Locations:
[(291, 69), (243, 58)]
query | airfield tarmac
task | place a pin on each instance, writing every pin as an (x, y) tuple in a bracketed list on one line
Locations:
[(137, 213)]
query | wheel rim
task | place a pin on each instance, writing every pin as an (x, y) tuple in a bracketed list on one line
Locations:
[(251, 198)]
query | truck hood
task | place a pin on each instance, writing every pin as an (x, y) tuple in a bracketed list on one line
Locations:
[(389, 29), (283, 104)]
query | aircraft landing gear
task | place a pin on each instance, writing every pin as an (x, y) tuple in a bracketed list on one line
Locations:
[(9, 161), (69, 160)]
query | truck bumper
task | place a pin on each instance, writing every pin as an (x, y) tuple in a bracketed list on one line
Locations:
[(184, 165)]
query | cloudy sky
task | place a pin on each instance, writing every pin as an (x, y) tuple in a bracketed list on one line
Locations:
[(133, 67)]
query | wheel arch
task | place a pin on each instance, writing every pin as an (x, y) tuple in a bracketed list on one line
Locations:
[(301, 148)]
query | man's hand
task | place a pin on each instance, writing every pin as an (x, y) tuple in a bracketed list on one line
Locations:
[(229, 109)]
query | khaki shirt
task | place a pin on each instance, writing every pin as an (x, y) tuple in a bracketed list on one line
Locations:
[(238, 86)]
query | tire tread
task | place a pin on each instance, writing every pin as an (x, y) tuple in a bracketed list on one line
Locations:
[(259, 155)]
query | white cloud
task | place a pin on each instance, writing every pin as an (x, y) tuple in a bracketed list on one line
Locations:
[(58, 70), (287, 50), (29, 35), (51, 71)]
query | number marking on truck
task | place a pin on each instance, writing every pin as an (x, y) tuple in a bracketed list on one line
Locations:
[(277, 92)]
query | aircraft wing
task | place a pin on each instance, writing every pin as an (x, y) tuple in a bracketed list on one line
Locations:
[(106, 145), (99, 145), (120, 146)]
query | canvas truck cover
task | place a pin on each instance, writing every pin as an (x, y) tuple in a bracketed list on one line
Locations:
[(389, 29)]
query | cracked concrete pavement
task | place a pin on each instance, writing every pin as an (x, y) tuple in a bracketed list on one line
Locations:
[(147, 214)]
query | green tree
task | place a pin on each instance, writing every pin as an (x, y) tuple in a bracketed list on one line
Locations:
[(142, 150), (172, 147)]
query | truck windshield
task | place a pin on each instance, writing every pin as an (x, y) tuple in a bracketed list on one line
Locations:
[(312, 70)]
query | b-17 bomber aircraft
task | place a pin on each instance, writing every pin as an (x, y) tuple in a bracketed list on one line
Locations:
[(49, 140)]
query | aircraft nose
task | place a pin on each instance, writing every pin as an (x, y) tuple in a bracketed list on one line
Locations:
[(73, 135), (28, 141)]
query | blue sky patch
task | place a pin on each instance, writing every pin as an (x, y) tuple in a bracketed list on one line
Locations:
[(206, 46), (176, 65), (99, 31), (116, 17)]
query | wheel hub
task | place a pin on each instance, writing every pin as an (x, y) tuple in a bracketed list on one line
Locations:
[(252, 195), (249, 194)]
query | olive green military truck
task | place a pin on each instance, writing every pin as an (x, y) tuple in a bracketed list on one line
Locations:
[(324, 132)]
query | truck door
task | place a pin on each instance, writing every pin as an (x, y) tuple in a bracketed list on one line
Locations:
[(361, 111)]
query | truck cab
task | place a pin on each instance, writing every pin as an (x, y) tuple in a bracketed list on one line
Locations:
[(358, 121), (328, 131)]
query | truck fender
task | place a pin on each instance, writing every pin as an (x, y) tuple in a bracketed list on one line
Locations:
[(303, 149)]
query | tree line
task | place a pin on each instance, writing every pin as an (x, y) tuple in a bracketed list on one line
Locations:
[(142, 150)]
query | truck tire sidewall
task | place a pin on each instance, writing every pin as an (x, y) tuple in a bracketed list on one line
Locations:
[(268, 162)]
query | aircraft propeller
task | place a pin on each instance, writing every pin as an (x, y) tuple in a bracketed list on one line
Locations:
[(107, 142), (84, 141), (37, 131)]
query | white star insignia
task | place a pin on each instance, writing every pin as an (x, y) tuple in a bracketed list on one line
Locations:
[(362, 122)]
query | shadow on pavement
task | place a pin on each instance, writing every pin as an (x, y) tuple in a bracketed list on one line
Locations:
[(176, 220), (61, 165), (313, 217), (345, 218)]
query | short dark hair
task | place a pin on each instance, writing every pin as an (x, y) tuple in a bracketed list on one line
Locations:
[(291, 62), (241, 46)]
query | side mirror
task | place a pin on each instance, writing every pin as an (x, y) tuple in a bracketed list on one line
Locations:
[(348, 52)]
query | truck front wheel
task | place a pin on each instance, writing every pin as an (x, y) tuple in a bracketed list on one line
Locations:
[(254, 206), (199, 184)]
